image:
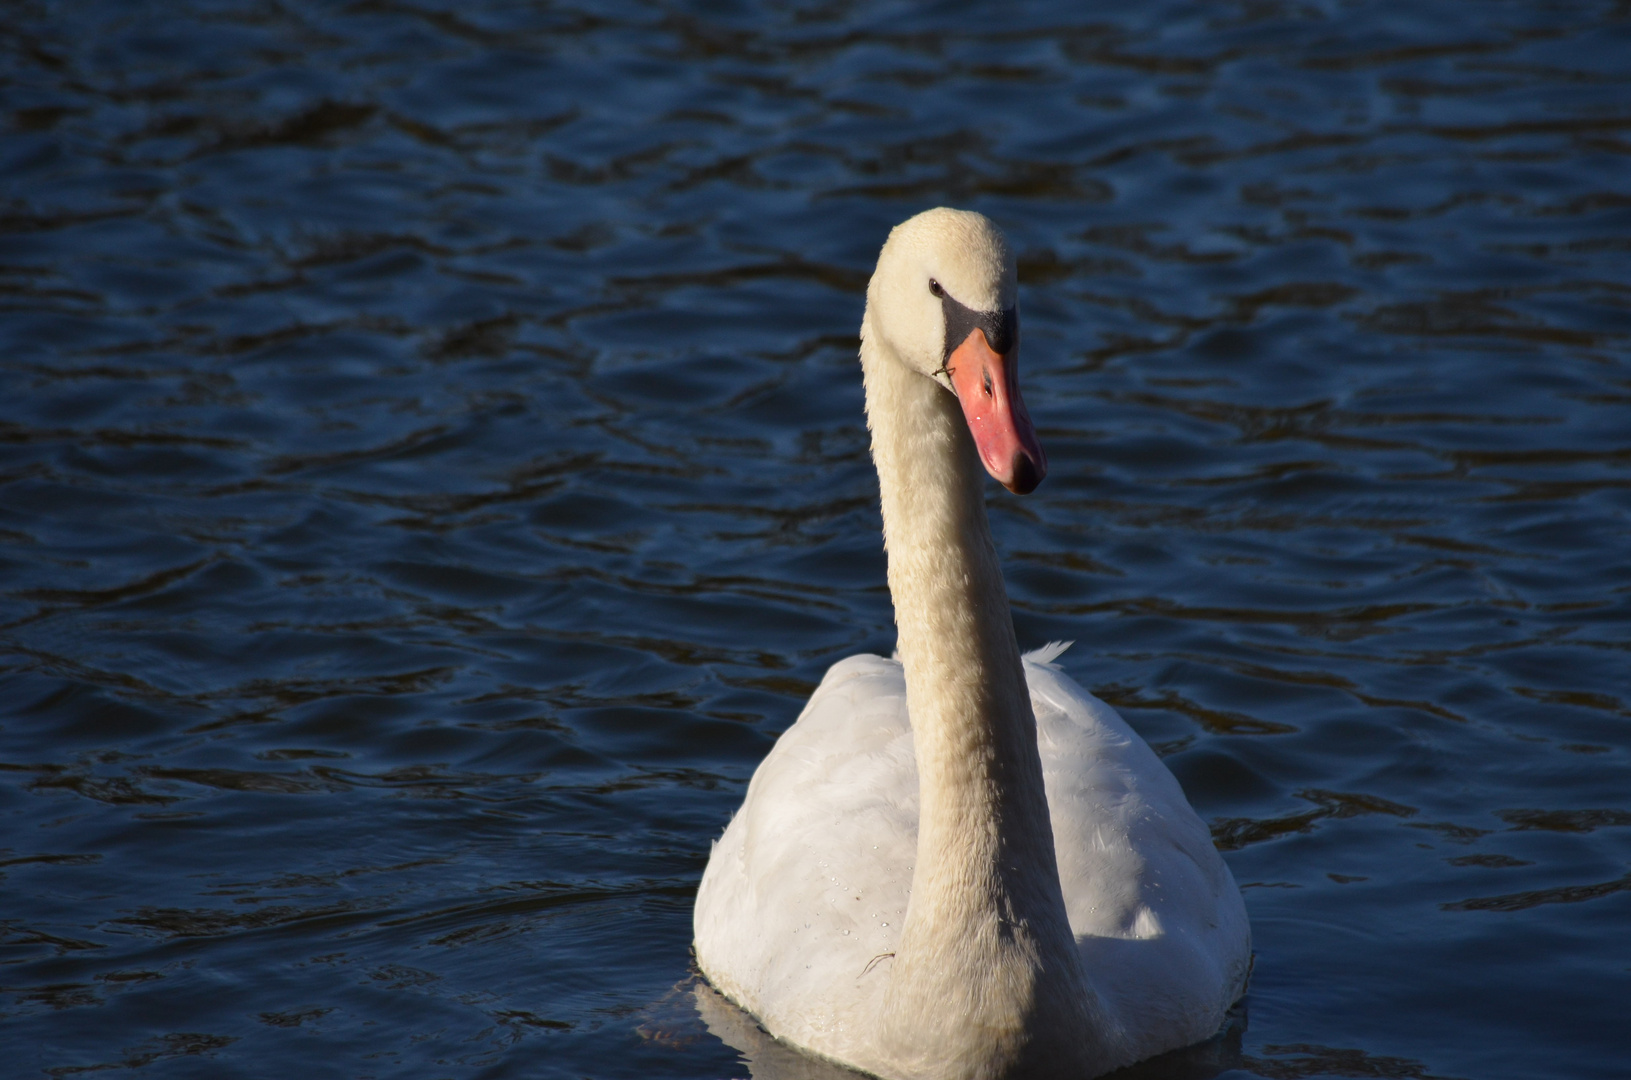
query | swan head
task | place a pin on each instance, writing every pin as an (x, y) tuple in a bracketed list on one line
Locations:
[(945, 301)]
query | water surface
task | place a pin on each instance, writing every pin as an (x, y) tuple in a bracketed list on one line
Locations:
[(432, 472)]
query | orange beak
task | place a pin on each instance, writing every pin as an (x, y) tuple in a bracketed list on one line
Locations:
[(987, 386)]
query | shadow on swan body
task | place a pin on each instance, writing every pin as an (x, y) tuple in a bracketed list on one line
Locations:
[(959, 863)]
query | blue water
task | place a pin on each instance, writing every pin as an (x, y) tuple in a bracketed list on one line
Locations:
[(432, 472)]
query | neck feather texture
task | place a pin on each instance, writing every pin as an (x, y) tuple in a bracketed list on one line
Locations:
[(986, 979)]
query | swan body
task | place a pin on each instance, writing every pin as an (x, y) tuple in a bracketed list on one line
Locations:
[(958, 863)]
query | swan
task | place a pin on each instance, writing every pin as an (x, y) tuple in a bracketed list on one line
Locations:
[(958, 863)]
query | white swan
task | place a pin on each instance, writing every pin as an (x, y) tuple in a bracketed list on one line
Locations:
[(961, 864)]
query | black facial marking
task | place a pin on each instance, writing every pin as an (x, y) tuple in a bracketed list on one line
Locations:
[(1001, 327)]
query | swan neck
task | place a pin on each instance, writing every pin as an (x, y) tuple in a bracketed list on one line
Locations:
[(985, 937), (965, 681)]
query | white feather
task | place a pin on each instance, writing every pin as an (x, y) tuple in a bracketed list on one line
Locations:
[(808, 887)]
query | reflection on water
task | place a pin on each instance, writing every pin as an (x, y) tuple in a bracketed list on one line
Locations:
[(768, 1059), (765, 1058), (432, 471)]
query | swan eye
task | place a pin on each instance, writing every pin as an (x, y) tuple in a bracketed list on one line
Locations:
[(934, 287)]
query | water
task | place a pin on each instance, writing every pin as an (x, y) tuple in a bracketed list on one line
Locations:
[(432, 472)]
